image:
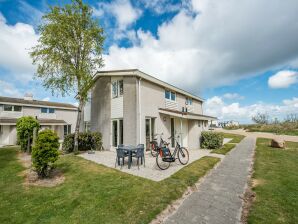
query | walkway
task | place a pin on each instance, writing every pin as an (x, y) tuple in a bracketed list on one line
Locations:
[(290, 138), (218, 197)]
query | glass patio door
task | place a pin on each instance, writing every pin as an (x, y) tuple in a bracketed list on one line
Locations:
[(117, 132)]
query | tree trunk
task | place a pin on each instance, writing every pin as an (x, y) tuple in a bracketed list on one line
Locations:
[(77, 130)]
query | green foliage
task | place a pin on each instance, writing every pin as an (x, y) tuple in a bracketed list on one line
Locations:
[(69, 49), (45, 152), (25, 127), (287, 128), (211, 140), (87, 141), (231, 127)]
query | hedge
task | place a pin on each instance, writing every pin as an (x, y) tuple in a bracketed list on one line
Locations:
[(87, 141), (211, 140)]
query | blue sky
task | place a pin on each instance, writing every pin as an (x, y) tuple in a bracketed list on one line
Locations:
[(242, 58)]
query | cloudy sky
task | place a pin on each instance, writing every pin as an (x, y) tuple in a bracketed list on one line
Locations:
[(241, 56)]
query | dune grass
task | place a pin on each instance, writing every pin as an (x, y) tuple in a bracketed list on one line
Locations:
[(91, 193), (276, 184)]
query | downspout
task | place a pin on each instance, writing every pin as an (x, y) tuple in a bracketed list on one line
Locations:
[(140, 114)]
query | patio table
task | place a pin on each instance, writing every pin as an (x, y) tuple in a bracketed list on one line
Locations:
[(129, 149)]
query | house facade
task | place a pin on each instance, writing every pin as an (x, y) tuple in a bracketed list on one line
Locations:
[(59, 117), (130, 107)]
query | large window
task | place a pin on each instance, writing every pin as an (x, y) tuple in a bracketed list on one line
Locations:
[(12, 108), (117, 88), (170, 95), (67, 129), (46, 110)]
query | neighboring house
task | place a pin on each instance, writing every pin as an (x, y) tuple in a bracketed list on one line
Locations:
[(60, 117), (228, 124), (130, 107)]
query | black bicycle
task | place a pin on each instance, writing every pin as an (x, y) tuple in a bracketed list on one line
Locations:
[(165, 157), (154, 147)]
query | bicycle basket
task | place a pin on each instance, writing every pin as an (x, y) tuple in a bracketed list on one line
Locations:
[(165, 152)]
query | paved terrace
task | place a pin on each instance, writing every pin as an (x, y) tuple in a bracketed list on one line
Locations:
[(150, 171)]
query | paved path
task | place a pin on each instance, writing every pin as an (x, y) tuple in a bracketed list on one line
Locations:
[(217, 199), (290, 138)]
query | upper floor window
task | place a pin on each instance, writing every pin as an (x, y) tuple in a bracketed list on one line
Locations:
[(12, 108), (188, 101), (46, 110), (170, 95), (117, 88)]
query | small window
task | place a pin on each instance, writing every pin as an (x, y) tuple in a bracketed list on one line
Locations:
[(17, 108), (173, 96), (51, 110), (7, 108), (114, 89), (44, 110), (188, 101), (199, 123), (120, 87), (167, 94)]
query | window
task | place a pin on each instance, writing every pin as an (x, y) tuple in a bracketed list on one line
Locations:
[(87, 126), (173, 96), (167, 94), (114, 89), (44, 110), (67, 129), (120, 87), (51, 110), (188, 101), (117, 88), (170, 95), (7, 107), (17, 108)]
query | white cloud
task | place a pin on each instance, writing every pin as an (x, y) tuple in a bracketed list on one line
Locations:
[(7, 89), (160, 6), (225, 42), (122, 10), (15, 43), (216, 106), (46, 99), (283, 79), (233, 96)]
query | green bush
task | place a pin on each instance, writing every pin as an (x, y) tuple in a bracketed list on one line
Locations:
[(87, 141), (211, 140), (25, 127), (45, 152)]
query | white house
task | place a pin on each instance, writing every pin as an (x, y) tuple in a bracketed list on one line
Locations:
[(130, 107), (60, 117)]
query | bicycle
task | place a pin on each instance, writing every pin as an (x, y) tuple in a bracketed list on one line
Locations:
[(164, 158), (154, 147)]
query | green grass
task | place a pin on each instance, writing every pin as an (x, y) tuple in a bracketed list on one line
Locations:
[(285, 128), (224, 149), (91, 193), (277, 191), (230, 145), (235, 138)]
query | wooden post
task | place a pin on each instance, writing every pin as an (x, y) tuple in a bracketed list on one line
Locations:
[(34, 136)]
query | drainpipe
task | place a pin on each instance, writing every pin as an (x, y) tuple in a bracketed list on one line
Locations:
[(140, 114)]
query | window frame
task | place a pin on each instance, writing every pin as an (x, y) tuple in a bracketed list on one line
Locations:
[(169, 95), (17, 106), (66, 129), (7, 105), (42, 110), (120, 87), (188, 101), (51, 110)]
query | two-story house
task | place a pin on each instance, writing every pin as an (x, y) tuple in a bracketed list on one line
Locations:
[(60, 117), (130, 107)]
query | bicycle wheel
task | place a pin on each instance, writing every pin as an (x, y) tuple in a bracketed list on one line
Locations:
[(160, 163), (153, 150), (183, 156)]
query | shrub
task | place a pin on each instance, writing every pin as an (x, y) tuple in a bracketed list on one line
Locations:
[(87, 141), (45, 152), (211, 140), (25, 127)]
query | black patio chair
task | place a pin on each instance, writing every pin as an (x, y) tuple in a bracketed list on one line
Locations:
[(121, 154), (139, 154)]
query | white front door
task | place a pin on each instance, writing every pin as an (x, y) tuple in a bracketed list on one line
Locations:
[(4, 134)]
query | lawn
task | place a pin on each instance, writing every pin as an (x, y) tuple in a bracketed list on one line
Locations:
[(275, 171), (230, 145), (91, 193)]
